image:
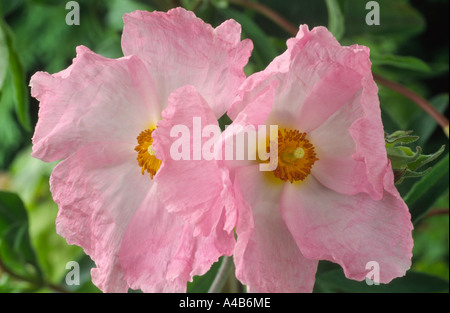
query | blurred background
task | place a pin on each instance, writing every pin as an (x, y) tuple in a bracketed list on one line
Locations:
[(409, 47)]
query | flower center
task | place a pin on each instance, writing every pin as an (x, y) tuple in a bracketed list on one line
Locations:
[(146, 155), (296, 155)]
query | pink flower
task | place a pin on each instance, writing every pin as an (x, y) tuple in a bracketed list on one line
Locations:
[(98, 116), (332, 196)]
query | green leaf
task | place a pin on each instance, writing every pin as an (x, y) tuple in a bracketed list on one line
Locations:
[(401, 156), (401, 110), (8, 6), (403, 62), (117, 8), (423, 124), (413, 282), (263, 46), (10, 130), (398, 20), (45, 20), (4, 56), (424, 159), (29, 177), (18, 78), (16, 251), (427, 190), (404, 161), (336, 21), (400, 137)]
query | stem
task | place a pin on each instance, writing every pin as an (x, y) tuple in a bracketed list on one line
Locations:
[(222, 275), (437, 212), (269, 13), (421, 102)]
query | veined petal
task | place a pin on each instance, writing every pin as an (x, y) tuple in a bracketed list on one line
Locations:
[(349, 162), (245, 128), (96, 99), (257, 81), (350, 230), (195, 187), (327, 91), (180, 49), (368, 134), (266, 256), (98, 189), (315, 77), (159, 252), (347, 210)]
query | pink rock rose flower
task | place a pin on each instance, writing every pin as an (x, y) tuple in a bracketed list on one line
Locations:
[(332, 196), (98, 116)]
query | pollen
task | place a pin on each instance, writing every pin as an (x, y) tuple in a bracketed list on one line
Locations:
[(296, 155), (146, 154)]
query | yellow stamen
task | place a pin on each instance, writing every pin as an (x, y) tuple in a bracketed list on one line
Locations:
[(296, 155), (146, 154)]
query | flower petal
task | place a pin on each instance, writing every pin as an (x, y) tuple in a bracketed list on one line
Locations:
[(266, 256), (96, 99), (328, 91), (350, 230), (195, 187), (180, 49), (159, 252), (350, 146), (315, 77), (368, 134), (245, 126), (98, 189)]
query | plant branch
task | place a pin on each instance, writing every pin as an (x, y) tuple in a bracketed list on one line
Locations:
[(269, 13), (421, 102), (222, 275), (437, 212)]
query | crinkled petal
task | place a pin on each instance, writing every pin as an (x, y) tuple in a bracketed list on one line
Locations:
[(233, 149), (368, 134), (266, 256), (96, 99), (350, 230), (327, 91), (180, 49), (316, 76), (98, 189), (195, 187), (350, 146), (159, 252)]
